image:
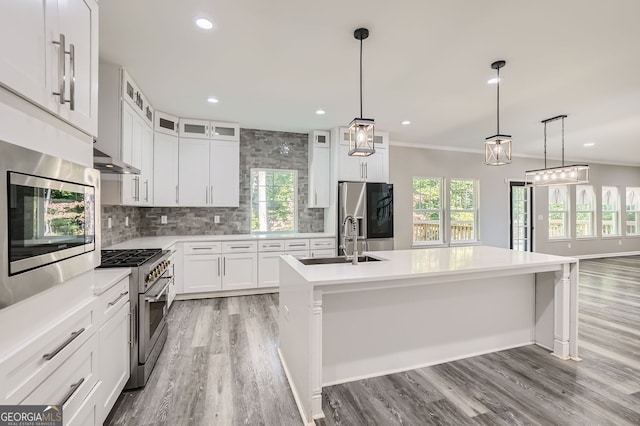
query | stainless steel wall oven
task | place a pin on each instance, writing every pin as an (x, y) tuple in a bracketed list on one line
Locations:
[(49, 223)]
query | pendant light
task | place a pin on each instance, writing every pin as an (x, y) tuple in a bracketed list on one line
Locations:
[(361, 130), (497, 148), (572, 175)]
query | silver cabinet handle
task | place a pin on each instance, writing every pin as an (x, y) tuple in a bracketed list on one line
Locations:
[(316, 197), (240, 247), (72, 84), (177, 189), (202, 248), (62, 77), (130, 328), (146, 190), (224, 267), (49, 356), (68, 395), (211, 191), (361, 171), (271, 245), (133, 188), (366, 170), (206, 195), (218, 266), (137, 188), (123, 294), (298, 245)]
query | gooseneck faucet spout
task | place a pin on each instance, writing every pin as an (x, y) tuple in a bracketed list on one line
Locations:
[(351, 235)]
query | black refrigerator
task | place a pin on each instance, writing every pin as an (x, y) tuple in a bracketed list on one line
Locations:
[(372, 206)]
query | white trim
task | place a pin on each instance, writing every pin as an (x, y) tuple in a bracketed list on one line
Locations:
[(427, 364), (226, 293), (617, 254), (294, 391)]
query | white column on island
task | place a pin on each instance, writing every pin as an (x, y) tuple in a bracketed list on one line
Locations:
[(562, 294), (316, 356)]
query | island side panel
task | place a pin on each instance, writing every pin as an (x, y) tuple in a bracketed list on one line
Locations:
[(376, 332), (545, 292), (573, 315), (296, 340)]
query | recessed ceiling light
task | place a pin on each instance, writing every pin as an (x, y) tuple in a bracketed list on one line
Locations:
[(212, 100), (204, 23), (588, 144), (406, 122), (494, 80), (320, 112)]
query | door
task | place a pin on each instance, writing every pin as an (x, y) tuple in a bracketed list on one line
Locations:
[(225, 131), (521, 213), (193, 172), (202, 272), (194, 128), (350, 168), (374, 166), (224, 174), (240, 271), (269, 274), (352, 200), (379, 220), (165, 170), (146, 185), (114, 359)]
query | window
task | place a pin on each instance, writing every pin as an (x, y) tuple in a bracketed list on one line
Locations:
[(558, 212), (463, 209), (273, 200), (585, 211), (427, 210), (610, 211), (633, 211)]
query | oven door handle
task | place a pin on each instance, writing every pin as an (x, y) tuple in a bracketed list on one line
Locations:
[(157, 296)]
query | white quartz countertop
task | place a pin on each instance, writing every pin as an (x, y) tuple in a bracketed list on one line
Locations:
[(104, 279), (433, 262), (167, 241)]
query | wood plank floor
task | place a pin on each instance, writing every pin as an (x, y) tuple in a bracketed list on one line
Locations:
[(220, 367)]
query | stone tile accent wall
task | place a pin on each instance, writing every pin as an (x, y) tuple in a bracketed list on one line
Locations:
[(258, 149), (119, 232)]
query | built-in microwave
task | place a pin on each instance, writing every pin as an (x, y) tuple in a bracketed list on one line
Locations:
[(49, 221)]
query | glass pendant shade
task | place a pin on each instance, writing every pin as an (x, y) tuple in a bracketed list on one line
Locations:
[(497, 150), (563, 175), (361, 137)]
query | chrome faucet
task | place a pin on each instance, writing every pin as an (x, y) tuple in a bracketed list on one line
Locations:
[(351, 236)]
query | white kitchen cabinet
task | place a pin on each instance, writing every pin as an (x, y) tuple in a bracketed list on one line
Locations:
[(192, 128), (319, 169), (132, 142), (132, 95), (222, 131), (36, 65), (193, 172), (114, 358), (209, 173), (374, 168), (224, 173), (165, 170), (323, 253), (240, 271), (202, 273), (146, 170), (166, 123), (269, 272)]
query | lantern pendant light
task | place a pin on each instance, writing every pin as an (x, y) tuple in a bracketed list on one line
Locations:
[(361, 130), (497, 148), (563, 175)]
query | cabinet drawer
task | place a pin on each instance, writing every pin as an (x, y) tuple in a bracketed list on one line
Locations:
[(113, 299), (299, 253), (273, 245), (26, 368), (207, 247), (323, 243), (323, 252), (72, 382), (240, 247), (296, 245)]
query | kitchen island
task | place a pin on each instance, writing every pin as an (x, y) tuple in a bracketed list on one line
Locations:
[(414, 308)]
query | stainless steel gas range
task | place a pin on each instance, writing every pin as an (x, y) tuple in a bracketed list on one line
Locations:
[(151, 276)]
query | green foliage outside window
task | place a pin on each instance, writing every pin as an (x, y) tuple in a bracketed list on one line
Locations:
[(273, 200)]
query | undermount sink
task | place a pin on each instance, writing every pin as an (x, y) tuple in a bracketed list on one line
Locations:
[(330, 260)]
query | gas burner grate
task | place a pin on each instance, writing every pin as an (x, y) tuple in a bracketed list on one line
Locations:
[(126, 258)]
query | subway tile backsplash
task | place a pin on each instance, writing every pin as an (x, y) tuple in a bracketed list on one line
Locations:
[(258, 149)]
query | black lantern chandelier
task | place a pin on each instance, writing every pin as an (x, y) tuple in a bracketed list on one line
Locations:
[(573, 174), (497, 148), (361, 130)]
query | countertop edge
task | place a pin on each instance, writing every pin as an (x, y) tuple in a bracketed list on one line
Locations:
[(104, 279)]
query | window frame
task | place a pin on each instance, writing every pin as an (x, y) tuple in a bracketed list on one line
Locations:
[(475, 211), (566, 212), (440, 211), (295, 199), (615, 211), (636, 211), (591, 211)]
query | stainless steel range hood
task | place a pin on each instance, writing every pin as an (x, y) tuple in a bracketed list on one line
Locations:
[(107, 164)]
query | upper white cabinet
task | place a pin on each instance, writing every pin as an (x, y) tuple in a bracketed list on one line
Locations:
[(165, 169), (225, 131), (133, 96), (191, 128), (204, 129), (209, 173), (374, 168), (319, 169), (50, 57), (166, 123)]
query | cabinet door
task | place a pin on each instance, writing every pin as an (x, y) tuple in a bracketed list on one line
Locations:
[(319, 177), (375, 166), (146, 181), (78, 21), (224, 174), (240, 270), (194, 128), (225, 131), (165, 170), (27, 50), (269, 273), (114, 358), (349, 168), (167, 124), (202, 272), (193, 172), (323, 253)]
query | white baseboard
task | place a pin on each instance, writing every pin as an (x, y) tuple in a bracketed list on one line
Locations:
[(294, 391), (617, 254), (228, 293)]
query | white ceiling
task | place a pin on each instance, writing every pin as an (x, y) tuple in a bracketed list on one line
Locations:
[(273, 63)]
